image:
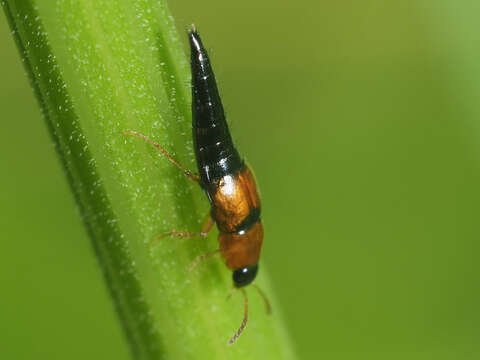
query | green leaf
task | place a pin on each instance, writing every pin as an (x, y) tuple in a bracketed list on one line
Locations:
[(99, 68)]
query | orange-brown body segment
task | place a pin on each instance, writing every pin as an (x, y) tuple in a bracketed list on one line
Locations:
[(234, 198), (243, 250)]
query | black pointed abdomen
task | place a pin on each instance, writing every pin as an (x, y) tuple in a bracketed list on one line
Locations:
[(216, 155)]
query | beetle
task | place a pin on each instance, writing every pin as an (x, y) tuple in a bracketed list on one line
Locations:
[(224, 177)]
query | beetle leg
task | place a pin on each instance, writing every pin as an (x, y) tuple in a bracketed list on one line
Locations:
[(200, 258), (207, 226), (187, 173)]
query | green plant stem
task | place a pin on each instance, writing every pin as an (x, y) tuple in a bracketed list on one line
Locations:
[(99, 68)]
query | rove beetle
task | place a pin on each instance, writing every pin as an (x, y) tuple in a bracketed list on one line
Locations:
[(224, 177)]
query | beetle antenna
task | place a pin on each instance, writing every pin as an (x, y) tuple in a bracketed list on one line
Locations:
[(244, 322), (268, 307)]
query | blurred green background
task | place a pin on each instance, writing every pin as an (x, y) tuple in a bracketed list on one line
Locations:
[(360, 120)]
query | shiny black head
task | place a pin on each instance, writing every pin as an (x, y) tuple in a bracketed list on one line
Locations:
[(244, 276)]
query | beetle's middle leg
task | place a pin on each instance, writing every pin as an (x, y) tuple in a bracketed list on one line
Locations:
[(206, 228)]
